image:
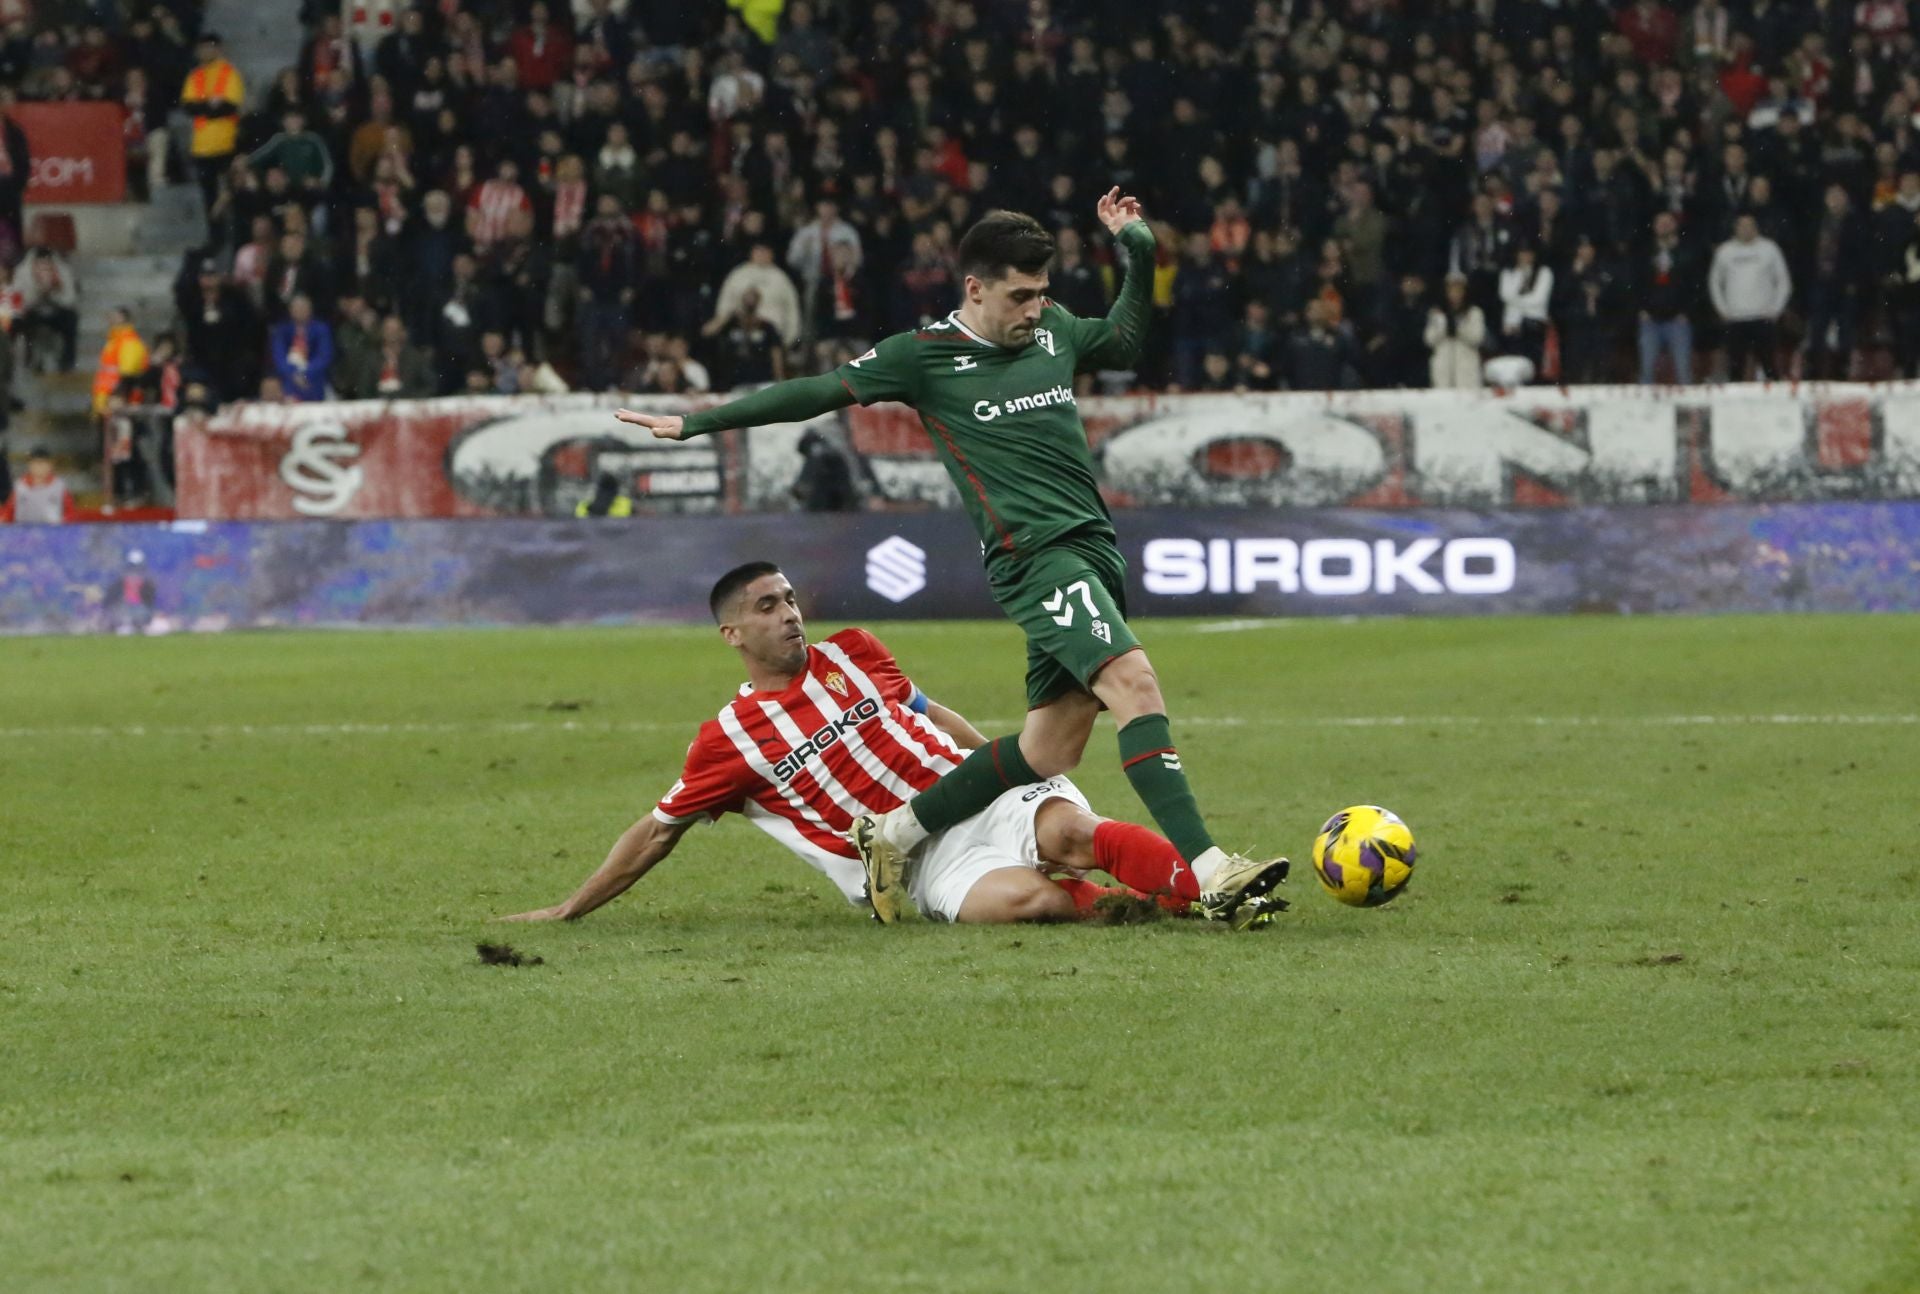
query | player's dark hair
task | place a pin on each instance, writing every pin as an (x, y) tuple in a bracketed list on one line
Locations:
[(1005, 240), (728, 586)]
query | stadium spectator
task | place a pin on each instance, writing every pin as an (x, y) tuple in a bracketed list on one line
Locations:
[(16, 164), (391, 368), (1585, 308), (607, 501), (1202, 308), (810, 254), (146, 132), (302, 348), (748, 349), (1398, 355), (825, 483), (40, 498), (1320, 358), (1074, 281), (843, 303), (1362, 230), (1838, 276), (429, 243), (124, 355), (1420, 139), (214, 95), (1456, 330), (225, 338), (293, 271), (777, 301), (1253, 353), (156, 395), (497, 208), (1526, 288), (48, 306), (1669, 286), (1750, 287), (607, 264)]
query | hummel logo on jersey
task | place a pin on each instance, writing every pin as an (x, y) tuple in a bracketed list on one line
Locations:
[(1044, 336), (835, 680), (825, 738), (987, 411), (961, 363)]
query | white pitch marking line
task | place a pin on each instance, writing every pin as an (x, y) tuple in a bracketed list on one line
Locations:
[(508, 728)]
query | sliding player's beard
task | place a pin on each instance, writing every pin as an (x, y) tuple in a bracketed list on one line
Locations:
[(792, 652)]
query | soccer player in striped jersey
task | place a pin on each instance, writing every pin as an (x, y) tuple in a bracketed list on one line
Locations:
[(993, 385), (823, 733)]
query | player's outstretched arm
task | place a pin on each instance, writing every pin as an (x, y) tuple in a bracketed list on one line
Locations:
[(795, 400), (1114, 342), (642, 845)]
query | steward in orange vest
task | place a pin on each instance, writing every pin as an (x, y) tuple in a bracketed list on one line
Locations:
[(213, 95), (124, 355)]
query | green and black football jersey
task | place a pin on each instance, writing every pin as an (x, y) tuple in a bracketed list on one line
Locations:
[(1004, 420)]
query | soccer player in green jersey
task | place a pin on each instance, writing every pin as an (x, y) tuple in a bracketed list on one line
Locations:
[(993, 384)]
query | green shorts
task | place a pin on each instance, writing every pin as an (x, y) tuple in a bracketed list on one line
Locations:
[(1071, 599)]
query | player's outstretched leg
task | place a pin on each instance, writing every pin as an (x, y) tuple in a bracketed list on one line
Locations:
[(886, 841), (1143, 861), (1228, 882)]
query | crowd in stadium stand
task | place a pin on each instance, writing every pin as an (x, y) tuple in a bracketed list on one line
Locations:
[(525, 196)]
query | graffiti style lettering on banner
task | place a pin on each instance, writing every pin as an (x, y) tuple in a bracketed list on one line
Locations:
[(1396, 449), (542, 456)]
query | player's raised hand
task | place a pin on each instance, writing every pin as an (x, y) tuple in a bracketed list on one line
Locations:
[(666, 426), (1117, 210)]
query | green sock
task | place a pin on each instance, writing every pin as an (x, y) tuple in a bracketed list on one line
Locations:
[(996, 767), (1153, 766)]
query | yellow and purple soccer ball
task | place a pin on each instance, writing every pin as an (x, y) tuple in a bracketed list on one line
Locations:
[(1364, 855)]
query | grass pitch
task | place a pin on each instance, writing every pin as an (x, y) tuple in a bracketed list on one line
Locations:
[(1646, 1019)]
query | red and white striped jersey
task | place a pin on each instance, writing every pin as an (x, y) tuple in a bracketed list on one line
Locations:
[(841, 740), (494, 205)]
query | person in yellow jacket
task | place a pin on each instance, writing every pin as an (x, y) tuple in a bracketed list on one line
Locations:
[(124, 355), (213, 95), (762, 17), (607, 501)]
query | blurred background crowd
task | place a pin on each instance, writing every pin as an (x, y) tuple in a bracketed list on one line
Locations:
[(514, 195)]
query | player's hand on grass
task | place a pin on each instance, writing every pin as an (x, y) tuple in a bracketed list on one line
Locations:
[(666, 426), (1117, 210), (554, 913)]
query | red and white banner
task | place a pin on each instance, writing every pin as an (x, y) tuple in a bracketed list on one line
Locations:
[(487, 456), (540, 456), (79, 151)]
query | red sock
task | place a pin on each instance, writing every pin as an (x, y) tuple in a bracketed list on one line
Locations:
[(1142, 859), (1086, 894)]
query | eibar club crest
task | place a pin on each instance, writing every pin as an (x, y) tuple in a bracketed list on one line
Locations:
[(1045, 337), (835, 680)]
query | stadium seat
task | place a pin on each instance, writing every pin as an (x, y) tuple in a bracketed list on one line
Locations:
[(53, 229)]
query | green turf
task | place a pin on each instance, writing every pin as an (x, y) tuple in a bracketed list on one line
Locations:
[(1645, 1020)]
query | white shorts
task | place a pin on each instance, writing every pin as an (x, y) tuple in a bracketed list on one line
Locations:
[(1001, 835)]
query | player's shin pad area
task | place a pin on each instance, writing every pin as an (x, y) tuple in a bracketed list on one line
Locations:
[(1646, 1019)]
